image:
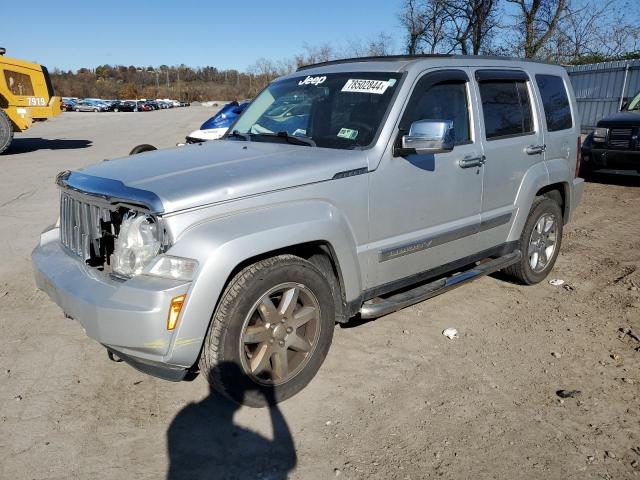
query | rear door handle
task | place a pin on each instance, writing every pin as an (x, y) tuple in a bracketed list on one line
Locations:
[(470, 162), (535, 149)]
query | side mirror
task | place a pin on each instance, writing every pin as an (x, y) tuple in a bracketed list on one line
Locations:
[(429, 136)]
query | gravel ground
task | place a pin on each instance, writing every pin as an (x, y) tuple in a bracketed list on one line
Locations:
[(394, 399)]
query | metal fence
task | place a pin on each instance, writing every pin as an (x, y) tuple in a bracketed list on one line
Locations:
[(602, 88)]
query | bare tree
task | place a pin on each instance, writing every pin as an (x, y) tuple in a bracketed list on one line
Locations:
[(412, 18), (471, 23), (539, 21)]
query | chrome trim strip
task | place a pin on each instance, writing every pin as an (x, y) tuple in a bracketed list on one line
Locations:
[(415, 246), (112, 191)]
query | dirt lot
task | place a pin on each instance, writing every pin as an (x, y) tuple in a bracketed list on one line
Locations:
[(395, 398)]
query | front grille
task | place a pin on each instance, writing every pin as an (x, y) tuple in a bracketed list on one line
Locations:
[(82, 227), (620, 138)]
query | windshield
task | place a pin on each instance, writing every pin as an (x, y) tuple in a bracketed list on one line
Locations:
[(342, 110), (635, 103)]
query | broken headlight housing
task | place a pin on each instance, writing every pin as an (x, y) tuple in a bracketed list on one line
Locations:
[(137, 244)]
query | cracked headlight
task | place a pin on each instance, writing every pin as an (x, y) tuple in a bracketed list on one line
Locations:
[(137, 244)]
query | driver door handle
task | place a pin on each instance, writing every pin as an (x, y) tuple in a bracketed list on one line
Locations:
[(535, 149), (470, 162)]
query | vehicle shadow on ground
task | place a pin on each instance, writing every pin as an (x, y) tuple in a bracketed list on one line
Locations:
[(620, 179), (24, 145), (204, 443)]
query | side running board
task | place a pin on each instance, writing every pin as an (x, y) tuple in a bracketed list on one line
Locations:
[(378, 307)]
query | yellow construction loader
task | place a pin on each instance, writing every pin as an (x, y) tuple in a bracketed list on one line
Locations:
[(26, 96)]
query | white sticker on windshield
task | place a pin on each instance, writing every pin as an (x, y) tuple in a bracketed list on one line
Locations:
[(313, 81), (366, 86)]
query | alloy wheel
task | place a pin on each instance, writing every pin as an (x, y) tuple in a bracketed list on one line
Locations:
[(280, 333), (542, 242)]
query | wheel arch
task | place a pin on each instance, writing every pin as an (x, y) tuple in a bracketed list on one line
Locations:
[(226, 245), (558, 192)]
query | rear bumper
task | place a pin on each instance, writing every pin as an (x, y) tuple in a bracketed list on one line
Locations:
[(577, 189), (128, 317)]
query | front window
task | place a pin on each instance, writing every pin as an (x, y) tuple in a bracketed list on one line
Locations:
[(342, 110), (634, 104)]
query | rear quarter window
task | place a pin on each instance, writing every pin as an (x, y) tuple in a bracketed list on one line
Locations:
[(555, 102), (506, 108)]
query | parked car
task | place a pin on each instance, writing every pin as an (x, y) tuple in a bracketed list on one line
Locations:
[(125, 106), (68, 104), (615, 143), (408, 177), (90, 106), (217, 126)]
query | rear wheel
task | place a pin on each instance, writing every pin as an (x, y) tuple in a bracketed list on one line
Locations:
[(77, 109), (145, 147), (96, 110), (274, 323), (540, 242), (116, 109), (6, 131)]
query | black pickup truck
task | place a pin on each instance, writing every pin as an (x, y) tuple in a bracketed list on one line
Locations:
[(615, 143)]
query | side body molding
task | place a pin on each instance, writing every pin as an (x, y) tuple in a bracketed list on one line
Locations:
[(221, 244)]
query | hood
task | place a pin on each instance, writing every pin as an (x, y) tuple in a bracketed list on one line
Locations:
[(626, 119), (212, 172)]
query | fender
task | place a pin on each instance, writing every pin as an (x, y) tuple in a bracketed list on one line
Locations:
[(561, 172), (535, 178), (221, 244)]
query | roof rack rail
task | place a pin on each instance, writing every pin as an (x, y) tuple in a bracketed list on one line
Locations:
[(395, 58)]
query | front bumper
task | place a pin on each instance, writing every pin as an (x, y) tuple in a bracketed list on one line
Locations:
[(128, 317), (597, 158)]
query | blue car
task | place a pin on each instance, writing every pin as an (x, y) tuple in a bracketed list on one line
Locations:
[(217, 126)]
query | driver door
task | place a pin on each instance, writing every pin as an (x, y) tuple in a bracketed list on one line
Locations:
[(425, 209)]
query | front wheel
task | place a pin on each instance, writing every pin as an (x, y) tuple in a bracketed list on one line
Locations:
[(6, 131), (270, 332), (540, 242)]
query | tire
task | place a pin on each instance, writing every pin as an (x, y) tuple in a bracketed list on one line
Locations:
[(145, 147), (116, 109), (96, 110), (6, 131), (523, 271), (228, 354), (77, 109)]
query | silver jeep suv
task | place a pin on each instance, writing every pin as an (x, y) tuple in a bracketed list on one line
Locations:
[(353, 187)]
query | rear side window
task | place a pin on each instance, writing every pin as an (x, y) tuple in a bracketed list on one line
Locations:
[(555, 102), (506, 108), (18, 83)]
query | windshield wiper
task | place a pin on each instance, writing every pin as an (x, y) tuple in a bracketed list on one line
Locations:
[(294, 140), (297, 140), (237, 134)]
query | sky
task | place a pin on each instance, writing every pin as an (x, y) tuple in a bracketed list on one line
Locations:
[(230, 34)]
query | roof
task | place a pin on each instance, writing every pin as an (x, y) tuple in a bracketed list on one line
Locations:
[(410, 58)]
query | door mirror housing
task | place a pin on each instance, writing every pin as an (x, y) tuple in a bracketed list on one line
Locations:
[(428, 136)]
